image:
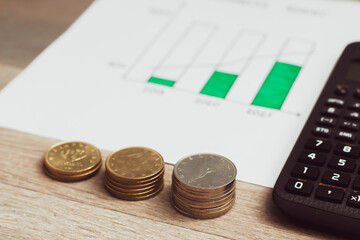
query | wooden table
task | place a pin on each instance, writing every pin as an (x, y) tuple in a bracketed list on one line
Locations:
[(33, 206)]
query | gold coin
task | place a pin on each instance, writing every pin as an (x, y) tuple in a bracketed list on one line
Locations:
[(134, 163), (72, 158), (134, 197), (96, 168), (132, 187), (71, 178), (131, 182), (134, 191)]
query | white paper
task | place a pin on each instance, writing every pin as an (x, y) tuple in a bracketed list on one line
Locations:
[(91, 83)]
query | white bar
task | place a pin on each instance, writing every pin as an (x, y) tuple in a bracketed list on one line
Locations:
[(152, 51), (184, 52), (296, 51), (237, 56)]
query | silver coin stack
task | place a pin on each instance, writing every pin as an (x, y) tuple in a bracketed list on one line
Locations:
[(203, 186)]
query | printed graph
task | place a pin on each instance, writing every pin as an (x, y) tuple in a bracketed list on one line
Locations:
[(183, 64)]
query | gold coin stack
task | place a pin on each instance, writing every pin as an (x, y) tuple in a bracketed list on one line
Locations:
[(203, 186), (134, 173), (72, 161)]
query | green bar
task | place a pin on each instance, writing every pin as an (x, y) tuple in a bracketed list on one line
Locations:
[(277, 85), (219, 84), (161, 81)]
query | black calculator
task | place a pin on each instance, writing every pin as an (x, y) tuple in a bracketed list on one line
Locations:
[(320, 182)]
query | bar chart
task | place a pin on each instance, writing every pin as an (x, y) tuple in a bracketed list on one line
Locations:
[(184, 63), (192, 43), (228, 69), (283, 74)]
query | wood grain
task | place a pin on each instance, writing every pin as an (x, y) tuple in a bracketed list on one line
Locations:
[(33, 206), (7, 73), (253, 216), (28, 27)]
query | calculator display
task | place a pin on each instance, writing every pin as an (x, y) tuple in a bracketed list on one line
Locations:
[(353, 72)]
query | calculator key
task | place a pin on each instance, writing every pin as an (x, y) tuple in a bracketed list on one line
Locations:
[(351, 126), (327, 121), (355, 116), (341, 89), (357, 93), (312, 158), (336, 178), (335, 102), (354, 200), (322, 131), (347, 150), (345, 136), (330, 194), (299, 187), (346, 165), (305, 172), (318, 144), (355, 106), (331, 111), (356, 184)]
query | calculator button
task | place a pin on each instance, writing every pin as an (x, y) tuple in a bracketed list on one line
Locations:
[(335, 102), (352, 126), (356, 184), (357, 93), (331, 111), (341, 90), (313, 158), (305, 172), (354, 200), (352, 116), (299, 187), (345, 136), (327, 121), (355, 106), (346, 165), (322, 131), (336, 178), (330, 194), (347, 150), (318, 144)]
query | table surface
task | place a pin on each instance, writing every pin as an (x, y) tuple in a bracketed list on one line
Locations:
[(33, 206)]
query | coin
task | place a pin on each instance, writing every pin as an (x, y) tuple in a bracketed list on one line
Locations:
[(133, 185), (72, 157), (201, 205), (203, 186), (201, 216), (138, 197), (134, 173), (205, 171), (72, 161), (133, 191), (134, 163), (70, 178), (210, 210), (182, 187)]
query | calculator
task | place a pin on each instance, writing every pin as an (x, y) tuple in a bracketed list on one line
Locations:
[(320, 181)]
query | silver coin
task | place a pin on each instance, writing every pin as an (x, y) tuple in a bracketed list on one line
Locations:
[(205, 171)]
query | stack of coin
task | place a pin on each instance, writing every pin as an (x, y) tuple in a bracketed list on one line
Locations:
[(203, 186), (134, 173), (72, 161)]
